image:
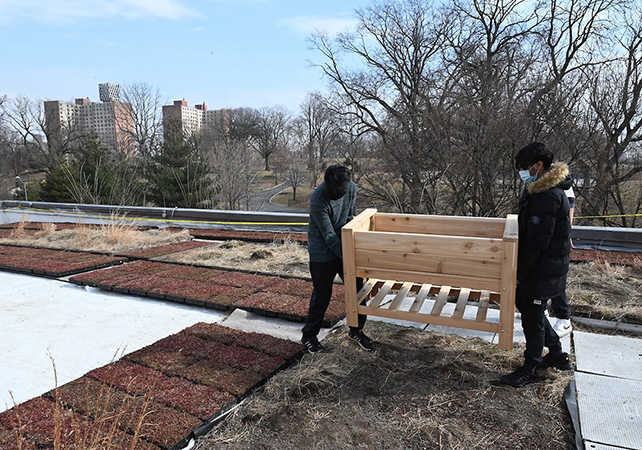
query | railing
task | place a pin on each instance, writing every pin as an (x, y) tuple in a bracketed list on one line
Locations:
[(192, 218), (601, 238)]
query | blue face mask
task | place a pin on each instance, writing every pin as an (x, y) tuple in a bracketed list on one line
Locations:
[(526, 176)]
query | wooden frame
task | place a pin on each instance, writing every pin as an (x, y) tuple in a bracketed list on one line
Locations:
[(467, 258)]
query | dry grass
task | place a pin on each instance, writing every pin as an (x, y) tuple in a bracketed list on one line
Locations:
[(605, 291), (418, 390), (287, 258), (19, 231), (115, 236), (46, 229)]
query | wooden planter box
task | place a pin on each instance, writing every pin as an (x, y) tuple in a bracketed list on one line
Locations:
[(470, 259)]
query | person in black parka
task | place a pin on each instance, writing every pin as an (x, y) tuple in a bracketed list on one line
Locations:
[(543, 257)]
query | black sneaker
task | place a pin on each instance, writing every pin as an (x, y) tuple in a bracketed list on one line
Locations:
[(520, 377), (560, 361), (312, 344), (364, 341)]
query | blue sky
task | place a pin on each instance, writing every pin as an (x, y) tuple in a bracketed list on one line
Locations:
[(228, 53)]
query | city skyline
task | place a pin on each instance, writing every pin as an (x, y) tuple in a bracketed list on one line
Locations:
[(226, 53)]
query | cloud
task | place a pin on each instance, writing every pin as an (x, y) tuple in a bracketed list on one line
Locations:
[(69, 11), (309, 24), (106, 43)]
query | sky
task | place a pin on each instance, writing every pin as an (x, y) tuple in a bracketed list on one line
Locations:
[(226, 53)]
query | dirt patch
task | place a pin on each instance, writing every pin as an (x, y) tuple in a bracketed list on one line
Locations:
[(417, 390)]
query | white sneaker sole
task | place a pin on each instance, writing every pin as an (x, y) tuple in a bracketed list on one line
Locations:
[(564, 332)]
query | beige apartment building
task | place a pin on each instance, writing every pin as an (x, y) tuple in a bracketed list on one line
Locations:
[(111, 119)]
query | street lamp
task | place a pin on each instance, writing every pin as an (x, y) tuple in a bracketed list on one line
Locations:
[(24, 186)]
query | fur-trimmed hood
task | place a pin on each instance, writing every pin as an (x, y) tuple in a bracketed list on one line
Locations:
[(558, 173)]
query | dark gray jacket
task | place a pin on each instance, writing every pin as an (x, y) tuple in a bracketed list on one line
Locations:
[(326, 219)]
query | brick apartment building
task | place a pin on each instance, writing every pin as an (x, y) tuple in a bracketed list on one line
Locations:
[(192, 120), (111, 119)]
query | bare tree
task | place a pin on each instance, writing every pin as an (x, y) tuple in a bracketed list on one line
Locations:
[(318, 131), (267, 129), (616, 105), (356, 151), (453, 94), (143, 129), (489, 60), (233, 162), (6, 142), (397, 45), (294, 173), (45, 139)]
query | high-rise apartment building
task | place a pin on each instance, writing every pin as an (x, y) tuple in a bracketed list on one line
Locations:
[(192, 120), (109, 92), (111, 120)]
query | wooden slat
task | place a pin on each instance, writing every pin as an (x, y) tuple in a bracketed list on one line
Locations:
[(507, 302), (462, 301), (482, 310), (442, 297), (436, 278), (449, 247), (511, 229), (476, 294), (450, 225), (417, 287), (362, 221), (407, 261), (376, 301), (401, 295), (366, 289), (349, 277), (490, 327), (420, 298)]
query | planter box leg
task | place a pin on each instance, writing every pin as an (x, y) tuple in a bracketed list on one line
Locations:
[(349, 277), (507, 302)]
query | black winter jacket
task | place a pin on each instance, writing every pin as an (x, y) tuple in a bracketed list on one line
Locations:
[(544, 235)]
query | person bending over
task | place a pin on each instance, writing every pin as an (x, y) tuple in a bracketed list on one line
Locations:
[(331, 206)]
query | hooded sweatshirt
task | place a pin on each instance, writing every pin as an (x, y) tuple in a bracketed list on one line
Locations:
[(544, 234)]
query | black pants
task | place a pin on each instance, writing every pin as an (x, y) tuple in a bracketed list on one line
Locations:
[(559, 306), (323, 274), (537, 329)]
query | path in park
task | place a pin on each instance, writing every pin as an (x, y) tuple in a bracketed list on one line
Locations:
[(260, 201)]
